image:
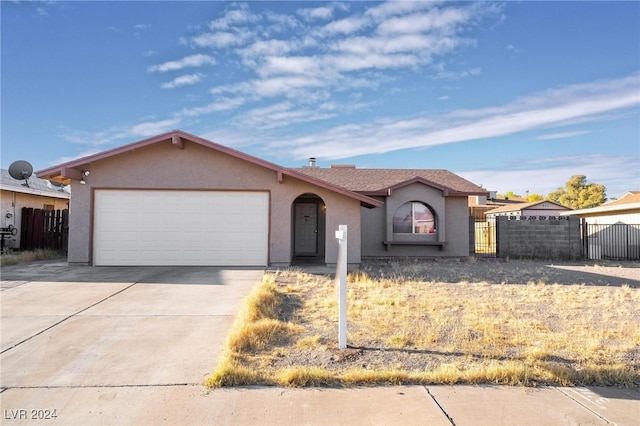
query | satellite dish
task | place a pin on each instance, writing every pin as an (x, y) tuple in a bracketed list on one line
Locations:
[(20, 170)]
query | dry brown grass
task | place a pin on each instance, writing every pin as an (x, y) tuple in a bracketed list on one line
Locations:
[(28, 256), (405, 328)]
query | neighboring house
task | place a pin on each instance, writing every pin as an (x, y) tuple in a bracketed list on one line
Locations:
[(178, 199), (537, 208), (14, 195), (624, 210), (479, 205)]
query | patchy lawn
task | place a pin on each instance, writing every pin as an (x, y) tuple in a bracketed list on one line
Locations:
[(517, 323)]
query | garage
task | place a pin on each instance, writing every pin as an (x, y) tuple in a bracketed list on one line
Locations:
[(180, 228)]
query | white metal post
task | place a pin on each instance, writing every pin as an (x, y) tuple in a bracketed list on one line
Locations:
[(341, 276)]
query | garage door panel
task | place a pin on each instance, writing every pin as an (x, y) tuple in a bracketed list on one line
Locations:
[(140, 227)]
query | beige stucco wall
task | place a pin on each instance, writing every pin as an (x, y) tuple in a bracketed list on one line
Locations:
[(13, 202), (164, 166), (452, 225)]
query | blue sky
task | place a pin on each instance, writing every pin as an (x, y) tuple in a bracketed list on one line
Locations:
[(514, 96)]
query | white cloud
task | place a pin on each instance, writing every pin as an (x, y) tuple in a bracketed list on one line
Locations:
[(290, 65), (266, 48), (282, 114), (458, 75), (436, 20), (220, 39), (183, 80), (552, 108), (66, 159), (513, 49), (345, 54), (286, 86), (420, 47), (89, 138), (198, 60), (223, 104), (278, 23), (393, 8), (238, 15), (310, 14), (345, 26), (562, 135), (151, 128)]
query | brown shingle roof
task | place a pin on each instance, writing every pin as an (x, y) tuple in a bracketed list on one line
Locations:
[(378, 181), (629, 197)]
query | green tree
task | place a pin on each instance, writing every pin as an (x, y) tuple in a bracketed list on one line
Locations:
[(534, 197), (509, 195), (578, 194)]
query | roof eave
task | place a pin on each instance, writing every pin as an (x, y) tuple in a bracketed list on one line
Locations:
[(73, 169), (446, 191), (33, 191), (365, 200)]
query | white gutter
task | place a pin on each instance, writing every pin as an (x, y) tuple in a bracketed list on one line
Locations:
[(32, 191)]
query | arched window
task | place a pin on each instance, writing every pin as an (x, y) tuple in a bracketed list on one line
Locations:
[(414, 218)]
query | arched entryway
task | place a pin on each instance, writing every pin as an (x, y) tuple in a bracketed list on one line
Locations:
[(309, 224)]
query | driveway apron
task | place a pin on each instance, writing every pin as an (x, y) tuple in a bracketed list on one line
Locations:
[(109, 327)]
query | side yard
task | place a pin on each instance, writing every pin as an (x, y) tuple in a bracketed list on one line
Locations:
[(517, 322)]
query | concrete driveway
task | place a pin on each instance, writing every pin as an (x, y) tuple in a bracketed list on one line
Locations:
[(77, 327)]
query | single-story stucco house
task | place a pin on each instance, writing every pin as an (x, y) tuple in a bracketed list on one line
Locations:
[(15, 195), (537, 208), (178, 199)]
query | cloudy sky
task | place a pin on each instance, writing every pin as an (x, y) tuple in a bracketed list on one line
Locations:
[(514, 96)]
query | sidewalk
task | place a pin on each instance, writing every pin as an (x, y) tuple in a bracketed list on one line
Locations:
[(396, 405)]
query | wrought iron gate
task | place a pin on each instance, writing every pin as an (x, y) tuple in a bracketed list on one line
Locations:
[(618, 241), (485, 239)]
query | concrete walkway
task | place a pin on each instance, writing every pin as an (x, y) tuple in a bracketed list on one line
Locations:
[(131, 346)]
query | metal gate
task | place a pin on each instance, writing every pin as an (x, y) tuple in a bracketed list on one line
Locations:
[(618, 241), (485, 238)]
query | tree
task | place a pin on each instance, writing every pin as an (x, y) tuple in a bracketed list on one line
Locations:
[(578, 194), (509, 195), (534, 197)]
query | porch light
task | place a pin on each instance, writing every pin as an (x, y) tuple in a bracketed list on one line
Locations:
[(84, 173)]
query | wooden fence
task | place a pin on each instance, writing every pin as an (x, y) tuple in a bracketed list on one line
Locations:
[(44, 229)]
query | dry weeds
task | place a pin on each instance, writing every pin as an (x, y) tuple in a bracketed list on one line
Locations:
[(28, 256), (522, 323)]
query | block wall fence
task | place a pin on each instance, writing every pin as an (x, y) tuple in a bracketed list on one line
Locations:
[(539, 238)]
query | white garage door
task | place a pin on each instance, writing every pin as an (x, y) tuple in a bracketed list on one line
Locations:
[(213, 228)]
